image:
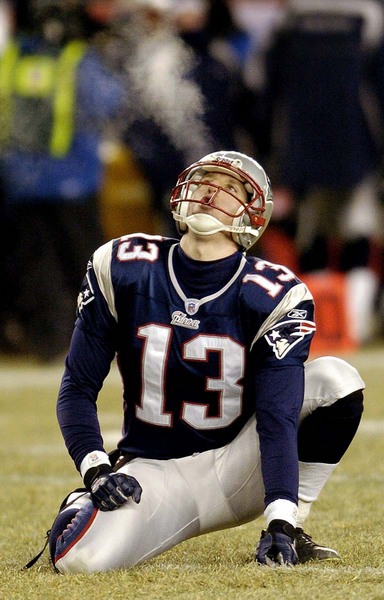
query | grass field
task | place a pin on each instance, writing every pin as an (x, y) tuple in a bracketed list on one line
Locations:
[(36, 474)]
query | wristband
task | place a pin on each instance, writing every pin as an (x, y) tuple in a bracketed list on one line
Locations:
[(93, 459)]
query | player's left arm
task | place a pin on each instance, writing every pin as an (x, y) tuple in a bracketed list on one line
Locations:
[(279, 390), (277, 360)]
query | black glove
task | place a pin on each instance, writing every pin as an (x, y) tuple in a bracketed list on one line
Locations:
[(276, 545), (110, 490)]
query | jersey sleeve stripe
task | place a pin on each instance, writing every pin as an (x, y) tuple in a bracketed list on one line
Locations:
[(102, 267), (295, 296)]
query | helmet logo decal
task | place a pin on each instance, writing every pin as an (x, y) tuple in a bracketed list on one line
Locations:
[(236, 162)]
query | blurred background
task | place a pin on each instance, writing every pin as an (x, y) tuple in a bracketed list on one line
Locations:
[(104, 102)]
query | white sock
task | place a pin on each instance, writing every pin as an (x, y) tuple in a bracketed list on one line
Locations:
[(312, 478)]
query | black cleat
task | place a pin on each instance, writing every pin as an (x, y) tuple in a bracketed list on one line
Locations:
[(307, 549)]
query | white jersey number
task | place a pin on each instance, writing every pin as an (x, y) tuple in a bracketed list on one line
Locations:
[(154, 359), (272, 288)]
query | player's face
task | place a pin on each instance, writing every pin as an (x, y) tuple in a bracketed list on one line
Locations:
[(217, 194)]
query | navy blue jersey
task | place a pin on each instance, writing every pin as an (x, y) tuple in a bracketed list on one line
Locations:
[(197, 356)]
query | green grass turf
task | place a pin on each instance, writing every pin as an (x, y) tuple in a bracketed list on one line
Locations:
[(36, 473)]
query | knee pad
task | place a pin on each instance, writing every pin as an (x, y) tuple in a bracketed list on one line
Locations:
[(328, 379)]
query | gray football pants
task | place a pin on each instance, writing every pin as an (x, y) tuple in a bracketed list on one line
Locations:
[(186, 497)]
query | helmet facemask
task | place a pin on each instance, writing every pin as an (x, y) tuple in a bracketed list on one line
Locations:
[(250, 218)]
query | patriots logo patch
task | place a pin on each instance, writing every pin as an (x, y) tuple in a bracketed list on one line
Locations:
[(284, 336), (84, 298), (86, 295)]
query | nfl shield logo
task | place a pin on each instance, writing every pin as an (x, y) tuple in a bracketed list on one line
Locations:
[(192, 306)]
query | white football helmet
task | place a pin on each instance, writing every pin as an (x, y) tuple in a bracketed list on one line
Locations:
[(251, 218)]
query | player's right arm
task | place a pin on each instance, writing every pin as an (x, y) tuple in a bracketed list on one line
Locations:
[(92, 349), (91, 352)]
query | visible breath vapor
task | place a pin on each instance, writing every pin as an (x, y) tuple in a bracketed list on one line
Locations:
[(158, 77)]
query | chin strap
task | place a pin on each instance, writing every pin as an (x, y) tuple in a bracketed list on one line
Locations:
[(208, 225), (204, 224)]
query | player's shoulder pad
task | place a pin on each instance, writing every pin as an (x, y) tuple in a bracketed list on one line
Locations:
[(285, 303), (129, 248), (123, 260), (270, 281), (135, 250), (140, 246)]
